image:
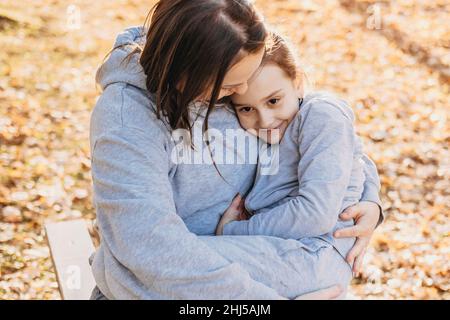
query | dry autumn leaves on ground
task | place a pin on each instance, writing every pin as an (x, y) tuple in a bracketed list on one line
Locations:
[(389, 59)]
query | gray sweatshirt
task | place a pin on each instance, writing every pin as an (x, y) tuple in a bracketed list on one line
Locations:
[(153, 212), (318, 172)]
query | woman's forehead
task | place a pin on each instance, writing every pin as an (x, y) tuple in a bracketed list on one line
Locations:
[(241, 71)]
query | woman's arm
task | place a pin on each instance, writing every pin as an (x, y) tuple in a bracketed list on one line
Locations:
[(147, 249), (372, 185), (367, 214), (326, 144)]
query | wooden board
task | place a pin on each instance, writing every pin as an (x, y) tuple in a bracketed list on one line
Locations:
[(70, 247)]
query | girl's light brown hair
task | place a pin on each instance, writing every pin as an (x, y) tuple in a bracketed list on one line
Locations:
[(280, 52)]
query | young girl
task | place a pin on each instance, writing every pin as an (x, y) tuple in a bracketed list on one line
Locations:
[(317, 160)]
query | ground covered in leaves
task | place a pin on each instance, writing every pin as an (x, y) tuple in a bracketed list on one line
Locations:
[(389, 59)]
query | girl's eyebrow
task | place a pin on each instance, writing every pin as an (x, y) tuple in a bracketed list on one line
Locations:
[(272, 94)]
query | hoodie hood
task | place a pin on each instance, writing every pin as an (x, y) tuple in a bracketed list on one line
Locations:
[(117, 67), (121, 67)]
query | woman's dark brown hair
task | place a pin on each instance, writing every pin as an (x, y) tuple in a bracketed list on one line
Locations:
[(190, 47)]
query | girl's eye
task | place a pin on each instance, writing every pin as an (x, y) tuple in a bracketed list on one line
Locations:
[(273, 101), (245, 109)]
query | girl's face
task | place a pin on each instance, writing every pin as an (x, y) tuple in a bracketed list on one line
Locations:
[(237, 77), (269, 104)]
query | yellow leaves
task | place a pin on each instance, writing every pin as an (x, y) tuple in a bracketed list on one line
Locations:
[(36, 253), (40, 169), (13, 17), (6, 232), (401, 104), (80, 194), (11, 214)]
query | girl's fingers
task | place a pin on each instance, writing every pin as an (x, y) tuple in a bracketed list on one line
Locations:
[(324, 294), (236, 202), (359, 246), (243, 215), (242, 205), (350, 213)]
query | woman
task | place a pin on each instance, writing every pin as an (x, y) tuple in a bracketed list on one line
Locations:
[(157, 217)]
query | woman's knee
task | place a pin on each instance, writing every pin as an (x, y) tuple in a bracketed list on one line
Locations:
[(335, 270)]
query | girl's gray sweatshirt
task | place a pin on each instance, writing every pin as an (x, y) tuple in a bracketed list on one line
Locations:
[(310, 177)]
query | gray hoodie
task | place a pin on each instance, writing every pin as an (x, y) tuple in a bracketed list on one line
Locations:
[(319, 167), (155, 215)]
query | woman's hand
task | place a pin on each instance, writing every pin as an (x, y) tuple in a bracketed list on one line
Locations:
[(235, 212), (366, 215)]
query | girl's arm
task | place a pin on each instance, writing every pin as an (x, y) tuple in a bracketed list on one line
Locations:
[(147, 250), (326, 143)]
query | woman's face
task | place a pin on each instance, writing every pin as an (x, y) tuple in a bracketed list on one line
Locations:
[(269, 104), (236, 78)]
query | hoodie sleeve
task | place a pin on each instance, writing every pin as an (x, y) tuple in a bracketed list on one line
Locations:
[(149, 248), (326, 145), (372, 185)]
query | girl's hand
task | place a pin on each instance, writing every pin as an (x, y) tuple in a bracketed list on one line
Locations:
[(366, 215), (235, 212)]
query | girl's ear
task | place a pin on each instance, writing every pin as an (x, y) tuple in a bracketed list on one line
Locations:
[(299, 86)]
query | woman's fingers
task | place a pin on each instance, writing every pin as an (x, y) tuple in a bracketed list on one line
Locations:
[(359, 246), (350, 213), (365, 215), (324, 294), (357, 230), (357, 266)]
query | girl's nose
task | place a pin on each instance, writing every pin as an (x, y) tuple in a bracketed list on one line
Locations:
[(265, 119)]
